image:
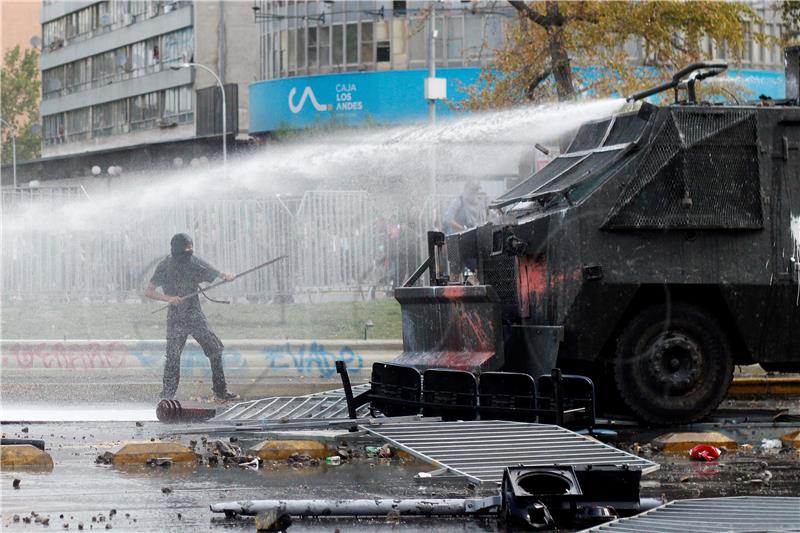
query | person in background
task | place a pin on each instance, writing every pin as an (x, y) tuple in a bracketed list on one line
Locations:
[(465, 211), (179, 275)]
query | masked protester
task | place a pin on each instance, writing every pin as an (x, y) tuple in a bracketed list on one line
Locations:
[(178, 275)]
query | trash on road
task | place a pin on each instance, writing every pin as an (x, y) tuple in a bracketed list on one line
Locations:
[(705, 452)]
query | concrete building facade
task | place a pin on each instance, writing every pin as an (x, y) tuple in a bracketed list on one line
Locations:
[(107, 80)]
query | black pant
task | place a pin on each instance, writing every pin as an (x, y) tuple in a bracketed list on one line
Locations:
[(179, 327)]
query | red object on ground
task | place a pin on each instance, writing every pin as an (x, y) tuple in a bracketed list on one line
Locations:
[(172, 411), (704, 452)]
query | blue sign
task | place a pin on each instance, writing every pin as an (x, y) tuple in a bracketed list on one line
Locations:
[(394, 97), (351, 98)]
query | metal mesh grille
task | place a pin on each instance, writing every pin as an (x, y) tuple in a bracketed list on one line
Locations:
[(454, 262), (706, 515), (700, 172), (589, 136), (501, 273)]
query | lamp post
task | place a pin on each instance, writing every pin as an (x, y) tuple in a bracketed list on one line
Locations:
[(13, 149), (224, 106)]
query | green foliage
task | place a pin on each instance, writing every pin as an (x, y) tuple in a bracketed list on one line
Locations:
[(551, 38), (790, 13), (19, 103)]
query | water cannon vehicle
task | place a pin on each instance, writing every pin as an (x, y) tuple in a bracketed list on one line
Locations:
[(658, 251)]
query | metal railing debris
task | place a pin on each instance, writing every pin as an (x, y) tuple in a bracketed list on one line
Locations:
[(481, 450), (707, 515), (328, 405)]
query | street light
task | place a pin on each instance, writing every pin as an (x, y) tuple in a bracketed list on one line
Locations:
[(224, 107), (13, 149)]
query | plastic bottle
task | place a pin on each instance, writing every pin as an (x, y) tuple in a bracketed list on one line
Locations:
[(333, 460)]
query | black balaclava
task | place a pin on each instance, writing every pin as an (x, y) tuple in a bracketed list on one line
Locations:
[(178, 246)]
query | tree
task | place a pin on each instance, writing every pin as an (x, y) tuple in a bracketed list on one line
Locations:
[(19, 103), (790, 13), (550, 39)]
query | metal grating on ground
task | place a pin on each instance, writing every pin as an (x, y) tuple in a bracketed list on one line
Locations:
[(481, 450), (327, 405), (707, 515)]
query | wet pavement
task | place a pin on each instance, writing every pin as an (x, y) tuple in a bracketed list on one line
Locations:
[(78, 491)]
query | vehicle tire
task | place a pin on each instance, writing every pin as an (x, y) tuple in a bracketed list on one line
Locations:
[(673, 364)]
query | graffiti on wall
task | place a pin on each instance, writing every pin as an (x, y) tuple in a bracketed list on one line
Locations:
[(307, 359)]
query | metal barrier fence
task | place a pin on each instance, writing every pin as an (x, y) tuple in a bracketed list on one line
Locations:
[(334, 240)]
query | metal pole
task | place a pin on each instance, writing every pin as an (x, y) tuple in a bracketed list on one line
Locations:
[(14, 155), (432, 59), (365, 507), (13, 150), (224, 110), (432, 109)]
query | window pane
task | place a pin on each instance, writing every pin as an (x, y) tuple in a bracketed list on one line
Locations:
[(301, 48), (292, 50), (325, 46), (367, 55), (312, 47), (417, 48), (454, 37), (338, 44), (352, 44)]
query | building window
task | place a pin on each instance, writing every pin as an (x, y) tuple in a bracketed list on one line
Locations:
[(455, 39), (312, 48), (110, 119), (52, 82), (145, 111), (367, 50), (284, 53), (382, 48), (301, 49), (473, 39), (178, 104), (292, 52), (351, 43), (276, 58), (325, 46), (178, 46), (78, 127), (54, 34), (77, 75), (138, 59), (102, 69), (338, 45), (53, 129)]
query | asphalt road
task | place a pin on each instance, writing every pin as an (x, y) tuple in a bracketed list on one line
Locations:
[(77, 490)]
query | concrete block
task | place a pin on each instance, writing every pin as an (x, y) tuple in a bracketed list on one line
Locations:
[(749, 387), (278, 450), (683, 442), (792, 440), (24, 456), (138, 453)]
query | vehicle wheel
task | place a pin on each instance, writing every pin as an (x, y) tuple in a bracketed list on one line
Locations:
[(673, 364)]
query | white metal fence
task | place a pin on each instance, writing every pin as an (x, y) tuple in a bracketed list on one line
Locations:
[(334, 240)]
